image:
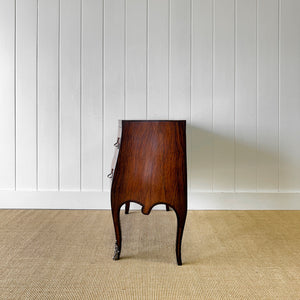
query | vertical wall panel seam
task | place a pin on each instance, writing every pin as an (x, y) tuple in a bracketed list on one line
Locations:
[(211, 100), (169, 53), (125, 59), (257, 98), (147, 57), (212, 91), (15, 95), (103, 90), (191, 45), (80, 101), (234, 93), (190, 112), (59, 95), (279, 91), (36, 97), (191, 59)]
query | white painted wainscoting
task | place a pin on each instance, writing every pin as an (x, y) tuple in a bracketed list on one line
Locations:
[(70, 69)]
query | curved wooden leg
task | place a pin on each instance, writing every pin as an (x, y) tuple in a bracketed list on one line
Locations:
[(167, 207), (181, 216), (117, 225), (127, 206)]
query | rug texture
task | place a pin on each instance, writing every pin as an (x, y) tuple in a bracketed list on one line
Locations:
[(67, 254)]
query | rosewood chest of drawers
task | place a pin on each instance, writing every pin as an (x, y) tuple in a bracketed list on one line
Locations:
[(150, 170)]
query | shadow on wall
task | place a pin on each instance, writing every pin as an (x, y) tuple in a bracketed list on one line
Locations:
[(223, 163), (219, 162)]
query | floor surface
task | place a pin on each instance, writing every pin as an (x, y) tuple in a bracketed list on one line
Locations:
[(67, 254)]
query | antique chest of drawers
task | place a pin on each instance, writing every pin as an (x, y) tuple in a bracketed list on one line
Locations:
[(150, 170)]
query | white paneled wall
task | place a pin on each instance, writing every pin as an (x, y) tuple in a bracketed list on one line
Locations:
[(48, 84), (26, 95), (223, 96), (8, 95), (70, 69), (91, 93), (267, 96)]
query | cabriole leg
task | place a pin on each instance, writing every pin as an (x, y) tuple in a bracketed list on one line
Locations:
[(117, 225), (180, 226)]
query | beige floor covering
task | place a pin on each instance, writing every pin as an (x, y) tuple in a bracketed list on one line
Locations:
[(66, 254)]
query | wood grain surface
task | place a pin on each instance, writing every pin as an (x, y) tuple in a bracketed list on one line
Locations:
[(151, 170)]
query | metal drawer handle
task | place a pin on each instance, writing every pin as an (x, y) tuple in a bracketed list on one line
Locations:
[(111, 174), (117, 143)]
